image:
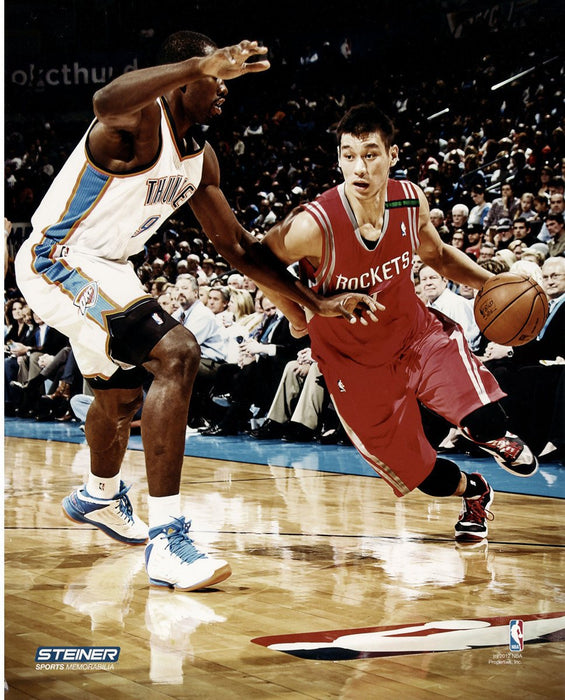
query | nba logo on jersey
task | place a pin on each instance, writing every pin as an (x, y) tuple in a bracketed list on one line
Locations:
[(516, 635), (341, 386), (403, 228), (86, 297)]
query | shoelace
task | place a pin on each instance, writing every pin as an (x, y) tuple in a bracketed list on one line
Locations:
[(124, 504), (508, 448), (476, 512), (179, 542)]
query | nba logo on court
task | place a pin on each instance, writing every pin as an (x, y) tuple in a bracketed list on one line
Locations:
[(516, 635)]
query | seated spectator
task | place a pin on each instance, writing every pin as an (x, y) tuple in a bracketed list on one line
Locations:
[(297, 405), (49, 367), (235, 281), (254, 380), (526, 209), (459, 216), (218, 299), (208, 268), (67, 382), (168, 299), (27, 361), (533, 375), (534, 254), (458, 239), (504, 207), (455, 307), (504, 234), (522, 231), (506, 256), (203, 324), (481, 208), (527, 268), (475, 236), (241, 310), (249, 285), (556, 206), (437, 217), (486, 251), (556, 227), (204, 293), (516, 248)]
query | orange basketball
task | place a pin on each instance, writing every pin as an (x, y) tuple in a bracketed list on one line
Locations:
[(511, 309)]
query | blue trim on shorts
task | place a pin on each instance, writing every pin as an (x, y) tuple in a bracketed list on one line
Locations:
[(71, 280)]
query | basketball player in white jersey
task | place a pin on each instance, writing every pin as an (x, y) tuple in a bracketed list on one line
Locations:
[(136, 165)]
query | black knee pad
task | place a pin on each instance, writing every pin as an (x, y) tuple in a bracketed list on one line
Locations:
[(443, 480), (135, 331), (486, 423)]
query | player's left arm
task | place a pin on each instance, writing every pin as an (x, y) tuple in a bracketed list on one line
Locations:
[(239, 247), (245, 253), (449, 261)]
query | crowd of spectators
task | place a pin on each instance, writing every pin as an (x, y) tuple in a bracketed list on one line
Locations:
[(491, 163)]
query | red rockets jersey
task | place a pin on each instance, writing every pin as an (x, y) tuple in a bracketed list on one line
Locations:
[(349, 264)]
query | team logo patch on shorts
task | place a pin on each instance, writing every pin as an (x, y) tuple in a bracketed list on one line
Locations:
[(87, 297)]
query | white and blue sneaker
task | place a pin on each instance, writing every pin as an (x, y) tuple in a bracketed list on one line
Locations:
[(115, 516), (173, 560)]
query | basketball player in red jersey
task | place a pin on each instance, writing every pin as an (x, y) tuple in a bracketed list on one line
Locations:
[(361, 236)]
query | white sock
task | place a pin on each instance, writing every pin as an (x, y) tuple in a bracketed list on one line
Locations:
[(162, 509), (99, 487)]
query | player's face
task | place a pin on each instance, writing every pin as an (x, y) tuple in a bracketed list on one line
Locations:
[(365, 163), (204, 98)]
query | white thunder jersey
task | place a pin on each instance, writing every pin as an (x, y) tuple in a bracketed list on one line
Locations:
[(73, 269), (111, 215)]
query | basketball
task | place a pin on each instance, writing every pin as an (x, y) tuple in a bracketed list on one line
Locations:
[(511, 309)]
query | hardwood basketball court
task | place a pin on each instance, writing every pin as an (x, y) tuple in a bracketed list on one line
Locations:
[(311, 551)]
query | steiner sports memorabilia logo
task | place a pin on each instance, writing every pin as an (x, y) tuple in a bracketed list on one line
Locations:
[(87, 297), (76, 658)]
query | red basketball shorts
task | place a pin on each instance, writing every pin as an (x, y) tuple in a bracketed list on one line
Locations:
[(379, 406)]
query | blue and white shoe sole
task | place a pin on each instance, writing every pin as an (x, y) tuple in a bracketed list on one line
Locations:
[(77, 517)]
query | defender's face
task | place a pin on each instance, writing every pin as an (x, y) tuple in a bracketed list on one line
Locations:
[(365, 163), (204, 98)]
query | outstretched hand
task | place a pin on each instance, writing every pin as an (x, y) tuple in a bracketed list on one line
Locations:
[(231, 61), (352, 306)]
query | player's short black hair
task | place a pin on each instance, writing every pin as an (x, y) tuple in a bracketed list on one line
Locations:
[(184, 44), (365, 119)]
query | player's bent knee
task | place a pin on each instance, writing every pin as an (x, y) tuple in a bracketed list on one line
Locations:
[(486, 423), (136, 331), (175, 357), (443, 480)]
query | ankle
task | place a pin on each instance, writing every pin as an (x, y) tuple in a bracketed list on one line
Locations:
[(103, 487)]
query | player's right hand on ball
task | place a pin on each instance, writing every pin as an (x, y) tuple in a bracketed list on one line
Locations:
[(353, 307)]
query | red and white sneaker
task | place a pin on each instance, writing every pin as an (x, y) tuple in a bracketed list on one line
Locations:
[(472, 524), (510, 452)]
